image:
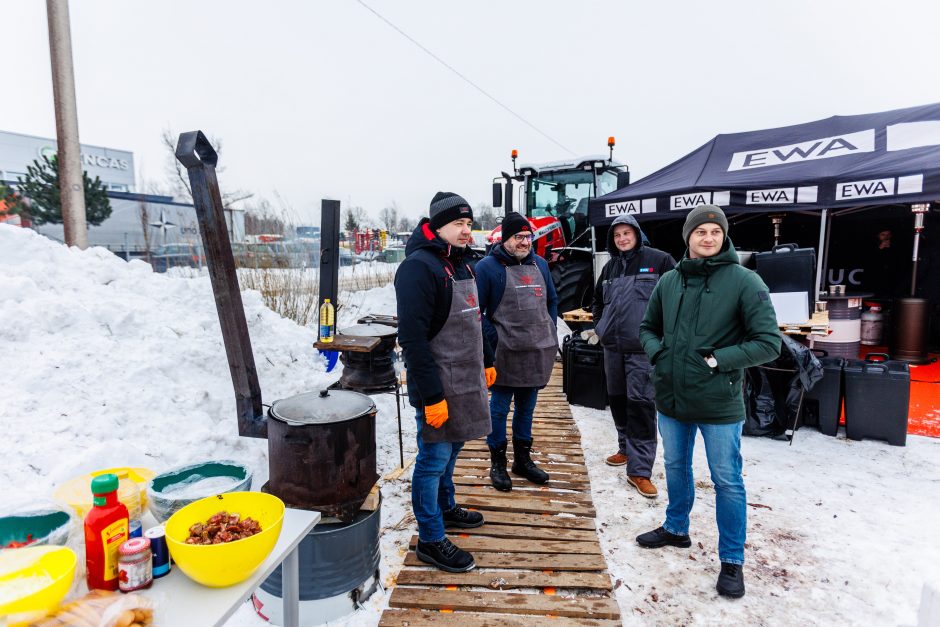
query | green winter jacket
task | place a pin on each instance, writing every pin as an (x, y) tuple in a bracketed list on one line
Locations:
[(707, 306)]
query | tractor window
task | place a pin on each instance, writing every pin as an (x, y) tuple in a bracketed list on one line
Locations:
[(606, 182), (558, 194)]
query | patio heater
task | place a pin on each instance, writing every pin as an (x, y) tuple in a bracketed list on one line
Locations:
[(910, 327)]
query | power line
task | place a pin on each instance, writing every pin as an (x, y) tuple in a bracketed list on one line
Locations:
[(467, 80)]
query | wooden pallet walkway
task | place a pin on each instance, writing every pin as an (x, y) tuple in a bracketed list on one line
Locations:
[(538, 554)]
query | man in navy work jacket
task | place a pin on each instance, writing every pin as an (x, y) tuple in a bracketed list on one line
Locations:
[(623, 290), (519, 304), (450, 365)]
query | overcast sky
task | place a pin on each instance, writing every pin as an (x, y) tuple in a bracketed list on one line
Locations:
[(323, 99)]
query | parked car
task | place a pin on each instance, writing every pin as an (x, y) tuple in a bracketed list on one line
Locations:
[(346, 258), (369, 256), (177, 256)]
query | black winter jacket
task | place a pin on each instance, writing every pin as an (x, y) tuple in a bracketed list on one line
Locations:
[(628, 263), (424, 291)]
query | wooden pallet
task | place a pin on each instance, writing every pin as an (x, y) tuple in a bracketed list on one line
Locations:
[(538, 556)]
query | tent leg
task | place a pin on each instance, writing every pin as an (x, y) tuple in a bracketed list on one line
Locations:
[(823, 248)]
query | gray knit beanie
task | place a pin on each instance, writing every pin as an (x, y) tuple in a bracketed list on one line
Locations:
[(447, 207), (703, 214)]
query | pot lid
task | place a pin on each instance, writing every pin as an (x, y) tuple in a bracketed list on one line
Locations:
[(323, 407), (369, 330)]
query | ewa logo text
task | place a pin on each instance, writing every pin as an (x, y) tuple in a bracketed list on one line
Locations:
[(821, 148), (646, 205), (691, 201)]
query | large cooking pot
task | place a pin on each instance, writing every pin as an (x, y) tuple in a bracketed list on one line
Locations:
[(321, 451)]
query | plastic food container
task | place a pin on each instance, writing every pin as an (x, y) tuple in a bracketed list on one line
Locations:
[(172, 490)]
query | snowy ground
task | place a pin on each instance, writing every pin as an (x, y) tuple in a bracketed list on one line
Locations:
[(105, 363)]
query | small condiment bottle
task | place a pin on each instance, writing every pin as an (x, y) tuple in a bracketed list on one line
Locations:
[(135, 570)]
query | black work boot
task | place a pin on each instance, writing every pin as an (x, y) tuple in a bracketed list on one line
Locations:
[(731, 581), (659, 537), (445, 555), (463, 518), (522, 463), (498, 475)]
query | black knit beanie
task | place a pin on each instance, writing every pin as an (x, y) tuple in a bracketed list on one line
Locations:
[(447, 207), (703, 214), (514, 223)]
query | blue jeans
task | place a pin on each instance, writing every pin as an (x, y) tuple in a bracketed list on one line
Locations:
[(500, 397), (432, 483), (723, 450)]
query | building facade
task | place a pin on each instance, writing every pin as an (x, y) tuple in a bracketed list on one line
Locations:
[(114, 167)]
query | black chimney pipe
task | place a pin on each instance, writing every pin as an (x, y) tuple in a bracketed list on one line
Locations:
[(198, 157)]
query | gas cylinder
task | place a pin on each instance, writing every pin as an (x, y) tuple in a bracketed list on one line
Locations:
[(873, 325)]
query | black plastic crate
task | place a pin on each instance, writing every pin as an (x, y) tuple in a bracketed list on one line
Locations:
[(787, 268), (877, 398), (583, 377), (822, 406)]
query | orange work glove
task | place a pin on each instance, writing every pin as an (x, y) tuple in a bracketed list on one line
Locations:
[(490, 374), (436, 414)]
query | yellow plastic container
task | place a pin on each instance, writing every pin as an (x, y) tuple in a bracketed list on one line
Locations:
[(77, 491), (327, 321), (35, 579), (221, 565)]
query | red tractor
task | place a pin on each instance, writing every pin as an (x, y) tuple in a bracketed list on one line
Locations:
[(554, 196)]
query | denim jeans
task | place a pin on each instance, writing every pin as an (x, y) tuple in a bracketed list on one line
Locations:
[(500, 397), (432, 483), (723, 450)]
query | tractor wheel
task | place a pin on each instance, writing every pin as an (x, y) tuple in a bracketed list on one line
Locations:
[(574, 282)]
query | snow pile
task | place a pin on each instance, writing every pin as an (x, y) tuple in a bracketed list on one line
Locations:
[(106, 363)]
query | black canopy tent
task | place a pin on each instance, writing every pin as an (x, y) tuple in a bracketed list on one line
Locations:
[(839, 163)]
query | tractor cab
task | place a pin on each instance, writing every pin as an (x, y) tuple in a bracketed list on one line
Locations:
[(554, 196)]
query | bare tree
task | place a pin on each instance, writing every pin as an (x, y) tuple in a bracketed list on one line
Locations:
[(406, 224), (389, 216), (179, 179), (263, 218), (485, 217)]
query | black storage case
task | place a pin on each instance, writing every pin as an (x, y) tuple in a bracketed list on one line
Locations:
[(877, 396), (822, 406), (583, 379), (787, 268)]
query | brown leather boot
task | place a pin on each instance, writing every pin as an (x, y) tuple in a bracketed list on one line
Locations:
[(617, 459), (644, 486)]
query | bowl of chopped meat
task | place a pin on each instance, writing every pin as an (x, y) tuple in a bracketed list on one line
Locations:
[(221, 540)]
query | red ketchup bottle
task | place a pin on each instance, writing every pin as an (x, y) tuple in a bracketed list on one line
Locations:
[(106, 529)]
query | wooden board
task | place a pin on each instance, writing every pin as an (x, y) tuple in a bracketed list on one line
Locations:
[(516, 603), (349, 344), (419, 618), (528, 561), (483, 544), (529, 532), (506, 579)]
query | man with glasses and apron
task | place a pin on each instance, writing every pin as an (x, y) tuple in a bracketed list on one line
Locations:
[(519, 305), (449, 367)]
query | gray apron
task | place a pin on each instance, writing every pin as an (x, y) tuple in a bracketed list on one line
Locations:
[(458, 352), (625, 301), (527, 339)]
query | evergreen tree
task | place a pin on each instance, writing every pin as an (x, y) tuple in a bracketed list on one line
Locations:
[(41, 187)]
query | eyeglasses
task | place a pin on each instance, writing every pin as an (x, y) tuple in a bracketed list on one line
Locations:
[(522, 238)]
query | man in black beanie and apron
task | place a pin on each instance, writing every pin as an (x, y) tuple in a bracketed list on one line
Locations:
[(519, 305), (449, 367)]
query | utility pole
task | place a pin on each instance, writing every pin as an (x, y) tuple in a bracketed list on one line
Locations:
[(71, 187)]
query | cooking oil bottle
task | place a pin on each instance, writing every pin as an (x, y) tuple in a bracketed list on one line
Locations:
[(327, 321)]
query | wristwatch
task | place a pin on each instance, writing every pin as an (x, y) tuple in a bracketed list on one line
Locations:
[(711, 361)]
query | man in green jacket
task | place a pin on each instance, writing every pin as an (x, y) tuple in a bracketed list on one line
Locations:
[(706, 322)]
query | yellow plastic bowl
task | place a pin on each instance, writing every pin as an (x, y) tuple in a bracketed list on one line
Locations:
[(77, 491), (220, 565), (35, 578)]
